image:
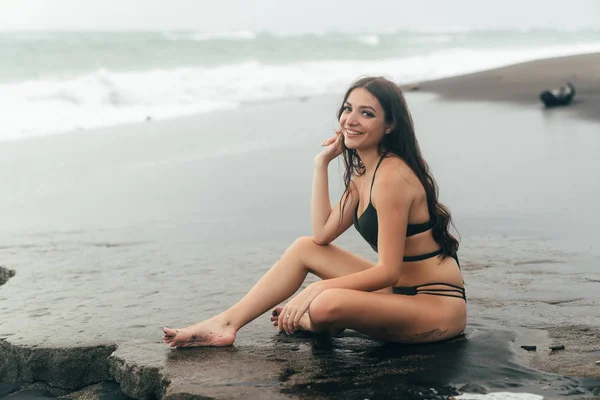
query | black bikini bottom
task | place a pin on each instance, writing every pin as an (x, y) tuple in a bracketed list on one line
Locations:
[(456, 291), (428, 255)]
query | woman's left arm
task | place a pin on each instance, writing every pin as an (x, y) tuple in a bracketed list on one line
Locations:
[(392, 200)]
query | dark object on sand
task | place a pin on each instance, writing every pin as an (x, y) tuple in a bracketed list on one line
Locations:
[(561, 96), (5, 275), (529, 348), (557, 347), (413, 87)]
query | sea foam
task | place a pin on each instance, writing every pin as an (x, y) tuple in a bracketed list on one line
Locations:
[(106, 97)]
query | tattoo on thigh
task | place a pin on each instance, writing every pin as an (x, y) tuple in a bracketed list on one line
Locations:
[(429, 334)]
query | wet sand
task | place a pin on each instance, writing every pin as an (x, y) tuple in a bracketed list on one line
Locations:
[(521, 84), (118, 232)]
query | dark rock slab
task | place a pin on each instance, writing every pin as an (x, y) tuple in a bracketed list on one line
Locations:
[(139, 370), (43, 386), (318, 367), (107, 390), (5, 275), (8, 388), (69, 368), (32, 394)]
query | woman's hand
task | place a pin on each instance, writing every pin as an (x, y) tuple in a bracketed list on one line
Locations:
[(333, 147), (289, 318)]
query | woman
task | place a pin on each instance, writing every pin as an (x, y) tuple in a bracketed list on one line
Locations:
[(414, 293)]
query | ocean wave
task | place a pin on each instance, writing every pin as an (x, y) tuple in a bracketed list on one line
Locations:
[(205, 36), (105, 97), (374, 36), (370, 40), (474, 30)]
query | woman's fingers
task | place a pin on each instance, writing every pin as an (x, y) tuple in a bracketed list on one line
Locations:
[(283, 319), (333, 139), (280, 322), (288, 321), (294, 320), (329, 141)]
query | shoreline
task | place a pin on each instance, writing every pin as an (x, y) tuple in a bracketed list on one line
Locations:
[(522, 83)]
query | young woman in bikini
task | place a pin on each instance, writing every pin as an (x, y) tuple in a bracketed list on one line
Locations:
[(414, 293)]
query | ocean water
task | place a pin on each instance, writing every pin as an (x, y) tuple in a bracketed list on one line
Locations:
[(59, 82)]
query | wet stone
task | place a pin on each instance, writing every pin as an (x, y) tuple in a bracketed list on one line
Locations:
[(7, 388), (32, 394), (473, 388), (529, 348)]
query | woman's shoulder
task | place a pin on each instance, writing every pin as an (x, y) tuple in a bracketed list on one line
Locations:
[(394, 173)]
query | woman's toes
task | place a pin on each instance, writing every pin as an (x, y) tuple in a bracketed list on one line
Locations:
[(275, 313), (170, 332)]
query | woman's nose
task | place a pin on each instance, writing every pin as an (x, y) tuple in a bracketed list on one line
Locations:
[(351, 119)]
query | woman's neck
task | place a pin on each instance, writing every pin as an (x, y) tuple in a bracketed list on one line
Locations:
[(369, 159)]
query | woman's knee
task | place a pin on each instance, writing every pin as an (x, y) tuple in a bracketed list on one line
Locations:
[(301, 245), (326, 307)]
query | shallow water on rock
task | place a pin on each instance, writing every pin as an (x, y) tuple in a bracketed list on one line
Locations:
[(120, 232)]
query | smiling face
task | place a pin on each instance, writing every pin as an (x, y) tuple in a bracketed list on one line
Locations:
[(362, 120)]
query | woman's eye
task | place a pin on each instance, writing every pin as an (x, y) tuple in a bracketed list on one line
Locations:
[(368, 114), (346, 108)]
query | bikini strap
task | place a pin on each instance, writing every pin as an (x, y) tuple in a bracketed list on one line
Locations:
[(374, 172)]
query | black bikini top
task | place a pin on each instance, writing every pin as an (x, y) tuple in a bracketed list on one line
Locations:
[(367, 225)]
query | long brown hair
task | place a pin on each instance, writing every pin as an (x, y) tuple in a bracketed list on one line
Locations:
[(402, 142)]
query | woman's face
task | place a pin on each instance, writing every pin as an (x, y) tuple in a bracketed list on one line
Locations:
[(362, 120)]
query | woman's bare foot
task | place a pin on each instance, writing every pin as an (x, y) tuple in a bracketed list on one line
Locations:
[(211, 332), (305, 324)]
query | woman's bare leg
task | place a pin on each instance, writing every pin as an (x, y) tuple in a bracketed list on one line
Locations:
[(390, 317), (278, 284)]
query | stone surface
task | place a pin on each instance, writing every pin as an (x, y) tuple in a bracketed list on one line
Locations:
[(107, 390), (32, 394), (314, 367), (139, 370), (8, 388), (67, 368)]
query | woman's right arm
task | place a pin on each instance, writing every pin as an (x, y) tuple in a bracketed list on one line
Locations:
[(326, 224)]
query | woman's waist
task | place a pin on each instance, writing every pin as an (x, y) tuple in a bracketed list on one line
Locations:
[(429, 271)]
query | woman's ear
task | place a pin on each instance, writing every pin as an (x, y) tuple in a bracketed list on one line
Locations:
[(389, 129)]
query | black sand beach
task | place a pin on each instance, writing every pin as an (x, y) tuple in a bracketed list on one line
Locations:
[(522, 83), (118, 232)]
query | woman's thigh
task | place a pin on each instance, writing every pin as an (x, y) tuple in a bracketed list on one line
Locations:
[(329, 261), (391, 317)]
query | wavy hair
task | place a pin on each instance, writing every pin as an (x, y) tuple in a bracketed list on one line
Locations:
[(402, 142)]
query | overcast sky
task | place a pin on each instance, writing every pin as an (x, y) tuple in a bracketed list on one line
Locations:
[(292, 15)]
